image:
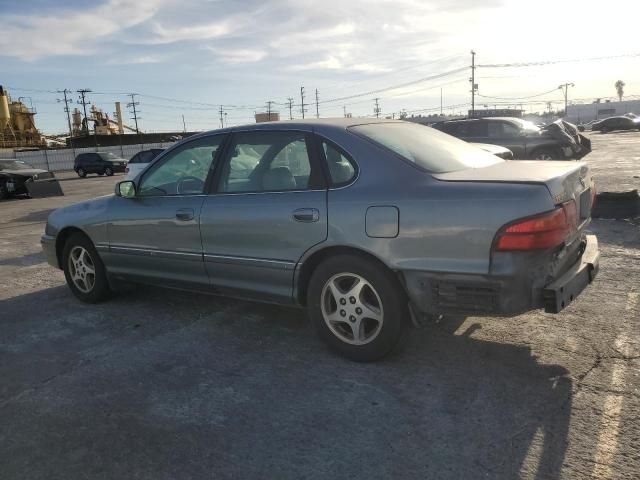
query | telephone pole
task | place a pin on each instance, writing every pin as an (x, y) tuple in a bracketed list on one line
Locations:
[(133, 104), (290, 105), (565, 90), (82, 101), (184, 125), (474, 87), (66, 109), (377, 109), (344, 110), (440, 101), (302, 101), (269, 103), (317, 111), (221, 112)]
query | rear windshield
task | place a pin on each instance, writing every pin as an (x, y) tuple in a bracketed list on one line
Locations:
[(427, 147)]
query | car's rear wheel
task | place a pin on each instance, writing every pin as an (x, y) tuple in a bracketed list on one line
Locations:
[(357, 306), (84, 270), (108, 171), (81, 172)]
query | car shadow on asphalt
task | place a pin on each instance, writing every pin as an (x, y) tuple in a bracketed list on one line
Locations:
[(37, 216), (239, 378)]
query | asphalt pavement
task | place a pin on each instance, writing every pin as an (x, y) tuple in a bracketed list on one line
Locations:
[(159, 384)]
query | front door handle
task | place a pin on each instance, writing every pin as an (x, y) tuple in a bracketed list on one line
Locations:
[(307, 215), (184, 214)]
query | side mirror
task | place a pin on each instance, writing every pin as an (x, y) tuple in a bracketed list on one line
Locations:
[(126, 189)]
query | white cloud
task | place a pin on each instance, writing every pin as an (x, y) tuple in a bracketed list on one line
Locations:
[(70, 32), (238, 55)]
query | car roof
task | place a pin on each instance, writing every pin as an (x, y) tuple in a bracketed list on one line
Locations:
[(301, 124)]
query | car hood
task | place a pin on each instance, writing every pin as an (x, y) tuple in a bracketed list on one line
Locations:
[(563, 179), (26, 172)]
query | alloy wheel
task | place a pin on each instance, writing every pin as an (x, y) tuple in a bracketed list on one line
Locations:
[(82, 269), (352, 308)]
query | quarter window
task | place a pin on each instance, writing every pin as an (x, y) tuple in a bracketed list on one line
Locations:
[(184, 170), (341, 167), (267, 162)]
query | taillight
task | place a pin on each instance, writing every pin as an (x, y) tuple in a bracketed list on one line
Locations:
[(540, 232)]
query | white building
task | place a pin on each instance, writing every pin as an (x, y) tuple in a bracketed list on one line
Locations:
[(582, 113)]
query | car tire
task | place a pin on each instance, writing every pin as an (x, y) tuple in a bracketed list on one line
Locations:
[(108, 171), (358, 307), (84, 271), (545, 154), (4, 191), (81, 172)]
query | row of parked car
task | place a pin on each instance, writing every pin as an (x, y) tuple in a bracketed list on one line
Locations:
[(611, 124), (106, 163)]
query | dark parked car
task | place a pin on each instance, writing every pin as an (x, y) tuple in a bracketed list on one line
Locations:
[(616, 123), (102, 163), (366, 223), (19, 178), (556, 141), (140, 160)]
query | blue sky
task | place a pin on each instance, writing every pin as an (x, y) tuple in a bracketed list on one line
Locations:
[(243, 53)]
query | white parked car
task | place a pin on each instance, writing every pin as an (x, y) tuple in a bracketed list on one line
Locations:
[(139, 161)]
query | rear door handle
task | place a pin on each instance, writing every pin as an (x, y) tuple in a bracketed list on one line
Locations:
[(307, 215), (184, 214)]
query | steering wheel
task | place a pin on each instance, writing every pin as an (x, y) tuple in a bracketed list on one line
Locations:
[(183, 180)]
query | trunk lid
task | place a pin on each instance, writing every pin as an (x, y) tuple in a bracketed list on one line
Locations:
[(565, 180)]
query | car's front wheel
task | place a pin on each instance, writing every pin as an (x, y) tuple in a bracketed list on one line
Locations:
[(84, 270), (545, 154), (4, 191), (357, 306), (108, 171), (81, 172)]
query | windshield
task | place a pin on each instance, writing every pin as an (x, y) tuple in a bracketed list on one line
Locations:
[(427, 147), (14, 165), (109, 156)]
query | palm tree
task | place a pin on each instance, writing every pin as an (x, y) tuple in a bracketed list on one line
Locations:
[(620, 89)]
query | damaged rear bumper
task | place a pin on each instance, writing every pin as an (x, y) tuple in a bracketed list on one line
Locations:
[(506, 295)]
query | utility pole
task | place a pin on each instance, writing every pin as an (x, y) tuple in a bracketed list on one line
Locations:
[(302, 101), (82, 101), (184, 125), (290, 105), (440, 101), (344, 109), (377, 109), (317, 111), (66, 109), (474, 87), (221, 117), (133, 104), (269, 103), (565, 89)]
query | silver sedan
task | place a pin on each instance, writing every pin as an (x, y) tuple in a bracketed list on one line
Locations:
[(368, 224)]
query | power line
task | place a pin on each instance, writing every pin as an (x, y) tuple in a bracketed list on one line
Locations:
[(519, 98), (395, 87), (552, 62)]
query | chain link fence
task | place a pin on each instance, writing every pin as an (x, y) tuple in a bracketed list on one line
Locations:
[(62, 159)]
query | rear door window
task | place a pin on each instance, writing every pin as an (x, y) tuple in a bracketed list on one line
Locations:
[(341, 167)]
